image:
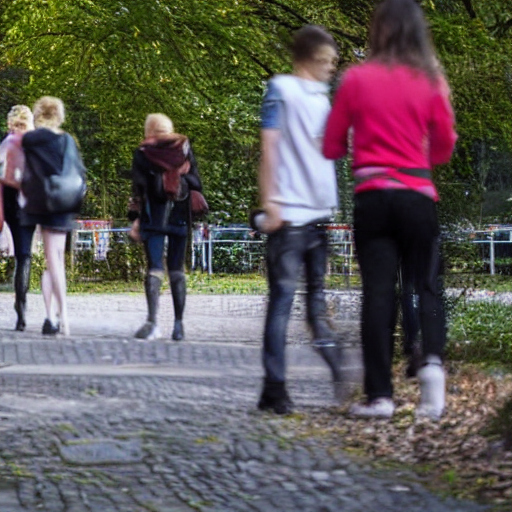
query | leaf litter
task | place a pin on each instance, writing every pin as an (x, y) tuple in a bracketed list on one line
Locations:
[(468, 453)]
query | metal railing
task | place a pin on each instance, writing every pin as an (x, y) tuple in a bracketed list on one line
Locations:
[(97, 240), (497, 238), (208, 242), (342, 250), (213, 246), (204, 242)]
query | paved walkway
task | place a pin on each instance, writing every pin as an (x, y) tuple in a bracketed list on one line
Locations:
[(100, 422)]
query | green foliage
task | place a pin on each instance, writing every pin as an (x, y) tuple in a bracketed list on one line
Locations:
[(496, 283), (6, 269), (125, 262), (474, 46), (205, 64), (238, 258), (481, 332), (36, 271), (241, 284), (462, 256)]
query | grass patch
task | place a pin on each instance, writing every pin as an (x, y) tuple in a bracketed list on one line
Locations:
[(481, 332), (220, 284), (103, 287), (197, 283), (496, 283), (207, 440)]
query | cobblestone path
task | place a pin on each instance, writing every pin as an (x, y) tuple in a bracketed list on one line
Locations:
[(102, 423)]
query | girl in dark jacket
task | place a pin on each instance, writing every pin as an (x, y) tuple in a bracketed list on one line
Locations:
[(160, 217), (45, 149)]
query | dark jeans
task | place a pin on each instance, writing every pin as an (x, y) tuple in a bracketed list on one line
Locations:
[(154, 247), (393, 226), (22, 235), (288, 251)]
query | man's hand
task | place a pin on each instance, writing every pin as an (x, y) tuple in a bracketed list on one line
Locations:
[(273, 220)]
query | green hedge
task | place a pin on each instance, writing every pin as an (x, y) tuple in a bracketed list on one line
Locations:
[(124, 262), (6, 269)]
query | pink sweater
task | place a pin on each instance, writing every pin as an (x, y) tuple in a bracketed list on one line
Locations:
[(400, 120)]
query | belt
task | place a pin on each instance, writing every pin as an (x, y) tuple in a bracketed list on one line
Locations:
[(315, 223), (368, 173)]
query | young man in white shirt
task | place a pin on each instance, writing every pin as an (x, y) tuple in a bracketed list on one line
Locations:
[(298, 194)]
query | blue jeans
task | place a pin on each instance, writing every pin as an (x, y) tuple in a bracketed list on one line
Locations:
[(154, 247), (289, 250)]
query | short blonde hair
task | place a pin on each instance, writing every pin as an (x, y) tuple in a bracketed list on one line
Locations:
[(157, 124), (48, 112), (20, 118)]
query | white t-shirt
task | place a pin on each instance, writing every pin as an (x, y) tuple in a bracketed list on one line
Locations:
[(306, 185)]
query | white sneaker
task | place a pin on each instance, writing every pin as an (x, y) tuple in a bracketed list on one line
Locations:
[(378, 408), (432, 388), (149, 331)]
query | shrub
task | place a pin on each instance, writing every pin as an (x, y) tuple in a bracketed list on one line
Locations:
[(481, 332), (7, 265), (238, 258), (124, 262)]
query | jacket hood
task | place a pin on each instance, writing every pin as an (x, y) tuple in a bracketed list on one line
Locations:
[(42, 136)]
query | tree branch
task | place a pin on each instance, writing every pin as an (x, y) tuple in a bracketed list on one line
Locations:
[(349, 37), (289, 10), (469, 8), (255, 59), (359, 41)]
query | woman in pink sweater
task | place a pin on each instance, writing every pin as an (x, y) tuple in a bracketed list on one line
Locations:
[(395, 113)]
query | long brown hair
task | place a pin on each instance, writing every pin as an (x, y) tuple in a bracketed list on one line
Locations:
[(399, 34)]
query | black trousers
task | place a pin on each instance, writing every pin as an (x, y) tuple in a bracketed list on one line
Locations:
[(392, 226)]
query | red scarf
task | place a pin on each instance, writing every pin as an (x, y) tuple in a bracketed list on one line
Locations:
[(171, 154)]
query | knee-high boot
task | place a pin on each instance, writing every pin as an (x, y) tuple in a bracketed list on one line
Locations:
[(149, 330), (21, 286), (179, 294)]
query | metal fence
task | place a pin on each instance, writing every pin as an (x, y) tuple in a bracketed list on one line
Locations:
[(341, 250), (495, 246), (240, 249), (227, 249), (98, 240)]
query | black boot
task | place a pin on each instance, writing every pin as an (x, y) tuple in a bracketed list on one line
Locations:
[(179, 294), (275, 397), (149, 330), (21, 286)]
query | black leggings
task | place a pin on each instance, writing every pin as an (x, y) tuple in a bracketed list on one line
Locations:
[(21, 235), (392, 226)]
